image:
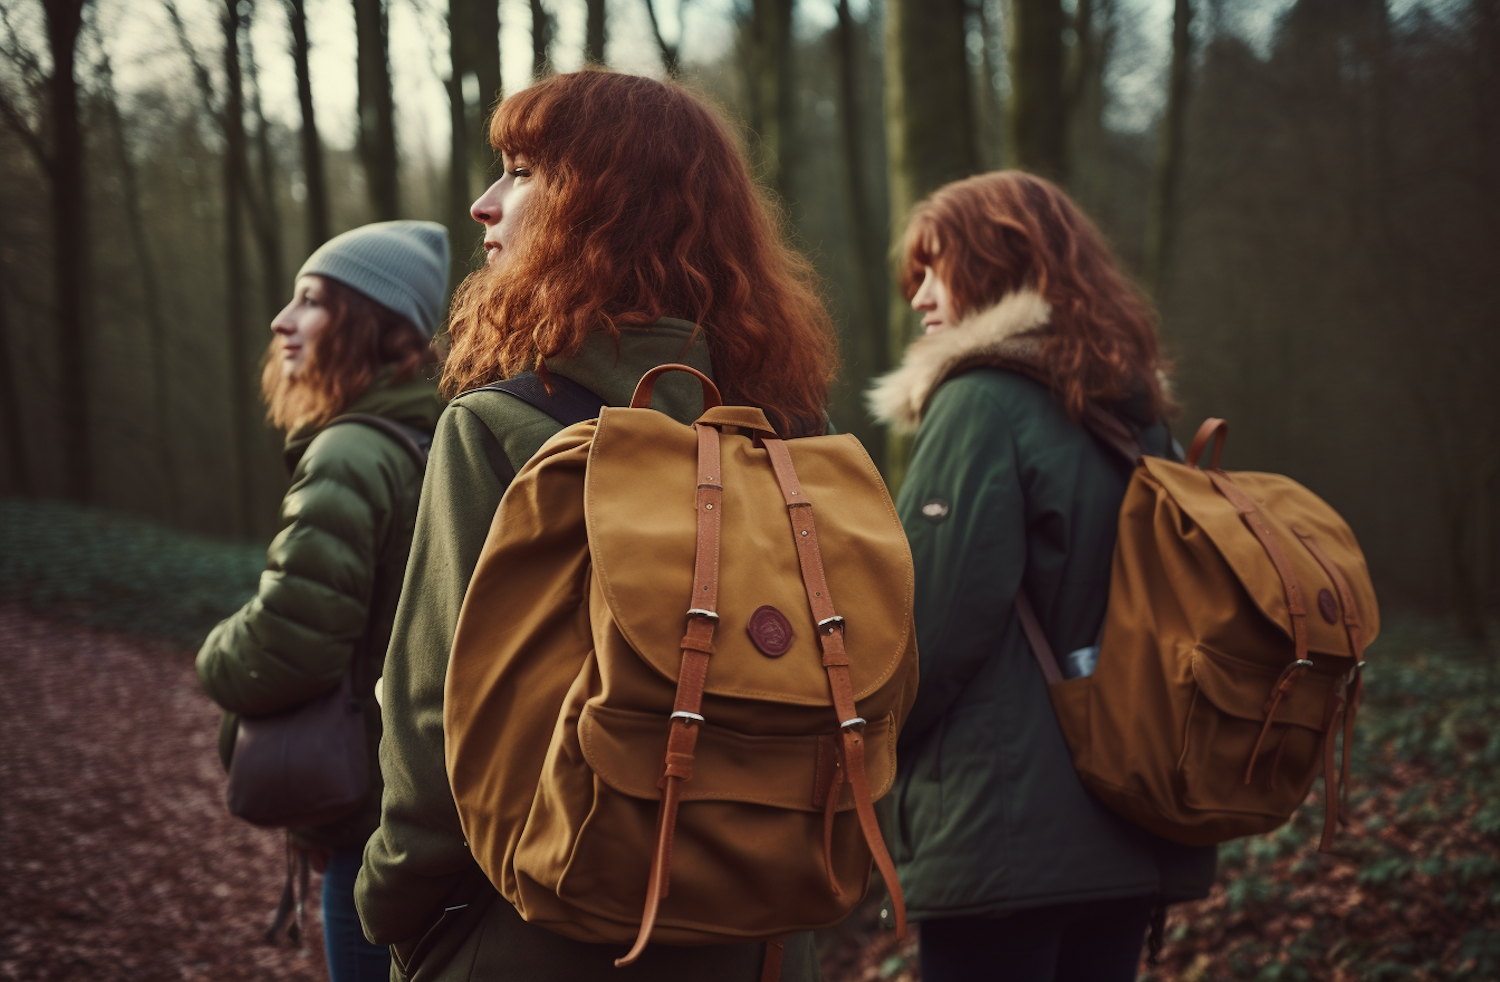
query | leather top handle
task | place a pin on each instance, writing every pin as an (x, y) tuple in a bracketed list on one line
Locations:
[(642, 397), (1211, 426)]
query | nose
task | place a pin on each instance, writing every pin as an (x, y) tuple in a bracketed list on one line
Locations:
[(282, 324), (486, 208), (923, 300)]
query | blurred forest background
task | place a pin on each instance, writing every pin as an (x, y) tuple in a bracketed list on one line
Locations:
[(1310, 190)]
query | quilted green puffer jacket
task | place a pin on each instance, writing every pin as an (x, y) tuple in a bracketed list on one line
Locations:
[(333, 576)]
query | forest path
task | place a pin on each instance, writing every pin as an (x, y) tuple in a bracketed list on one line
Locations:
[(118, 861)]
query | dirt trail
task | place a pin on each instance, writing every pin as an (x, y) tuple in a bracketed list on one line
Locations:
[(118, 862)]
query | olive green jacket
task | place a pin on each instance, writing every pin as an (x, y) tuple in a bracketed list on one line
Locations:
[(333, 574), (1005, 490), (419, 889)]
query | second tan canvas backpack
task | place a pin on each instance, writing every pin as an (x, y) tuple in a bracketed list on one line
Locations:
[(678, 677), (1239, 611)]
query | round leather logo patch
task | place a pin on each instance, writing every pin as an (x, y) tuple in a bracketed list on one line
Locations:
[(935, 510), (770, 631), (1328, 607)]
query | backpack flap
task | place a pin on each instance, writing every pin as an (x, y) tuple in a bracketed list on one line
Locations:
[(1288, 508), (643, 534)]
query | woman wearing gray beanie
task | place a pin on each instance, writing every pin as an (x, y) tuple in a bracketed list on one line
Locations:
[(348, 377)]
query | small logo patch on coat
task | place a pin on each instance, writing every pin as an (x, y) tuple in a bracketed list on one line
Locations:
[(770, 631), (1328, 607), (935, 510)]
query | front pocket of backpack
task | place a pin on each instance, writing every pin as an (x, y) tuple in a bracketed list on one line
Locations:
[(747, 855), (1224, 724)]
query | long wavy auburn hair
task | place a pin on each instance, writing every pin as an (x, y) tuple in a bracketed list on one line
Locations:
[(361, 339), (644, 208), (989, 235)]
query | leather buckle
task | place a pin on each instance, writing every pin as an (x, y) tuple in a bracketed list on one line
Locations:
[(827, 624)]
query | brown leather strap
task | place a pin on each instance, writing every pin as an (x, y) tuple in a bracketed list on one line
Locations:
[(1205, 433), (830, 631), (1040, 649), (1352, 624), (770, 969), (697, 649), (642, 397), (1337, 710)]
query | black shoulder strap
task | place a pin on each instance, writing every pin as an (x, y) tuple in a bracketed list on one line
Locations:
[(568, 402), (415, 442)]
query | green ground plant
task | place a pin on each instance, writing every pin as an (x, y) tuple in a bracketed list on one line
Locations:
[(122, 573)]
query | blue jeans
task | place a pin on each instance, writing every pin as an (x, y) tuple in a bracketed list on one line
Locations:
[(350, 957)]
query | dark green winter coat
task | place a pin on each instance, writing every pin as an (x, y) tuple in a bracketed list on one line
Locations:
[(333, 575), (1004, 489), (419, 889)]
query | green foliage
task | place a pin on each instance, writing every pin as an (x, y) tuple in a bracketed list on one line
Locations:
[(120, 573)]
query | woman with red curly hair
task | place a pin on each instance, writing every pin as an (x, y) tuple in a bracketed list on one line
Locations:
[(624, 233), (1014, 870)]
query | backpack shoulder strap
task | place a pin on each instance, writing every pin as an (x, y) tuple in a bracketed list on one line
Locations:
[(415, 442), (567, 402)]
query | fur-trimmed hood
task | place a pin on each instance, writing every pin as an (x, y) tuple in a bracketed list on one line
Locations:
[(1008, 330)]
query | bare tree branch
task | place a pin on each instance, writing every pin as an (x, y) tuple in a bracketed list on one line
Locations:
[(670, 53), (16, 120), (200, 70)]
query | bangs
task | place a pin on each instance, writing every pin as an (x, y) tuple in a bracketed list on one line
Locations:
[(920, 247), (520, 123)]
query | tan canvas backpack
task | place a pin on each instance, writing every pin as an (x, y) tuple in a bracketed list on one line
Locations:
[(1239, 611), (673, 695)]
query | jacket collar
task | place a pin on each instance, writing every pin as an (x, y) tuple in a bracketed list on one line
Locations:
[(1008, 331), (610, 367), (414, 402)]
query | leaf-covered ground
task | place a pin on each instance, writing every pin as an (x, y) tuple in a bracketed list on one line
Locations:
[(1411, 891)]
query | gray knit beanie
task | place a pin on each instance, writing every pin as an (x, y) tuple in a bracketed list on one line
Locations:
[(401, 265)]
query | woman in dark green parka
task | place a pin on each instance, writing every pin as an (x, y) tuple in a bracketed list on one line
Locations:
[(624, 233), (1014, 870), (354, 340)]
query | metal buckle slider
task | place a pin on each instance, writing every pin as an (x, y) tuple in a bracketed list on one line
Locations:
[(705, 614), (857, 723), (687, 717)]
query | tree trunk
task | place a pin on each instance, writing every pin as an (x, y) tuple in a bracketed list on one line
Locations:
[(868, 349), (772, 105), (483, 59), (319, 225), (1162, 217), (263, 205), (1087, 167), (1038, 108), (377, 111), (156, 318), (594, 40), (459, 222), (669, 52), (17, 461), (240, 363), (541, 40), (71, 279), (928, 133)]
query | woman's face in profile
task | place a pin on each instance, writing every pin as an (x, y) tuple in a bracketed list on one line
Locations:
[(502, 206), (300, 322), (931, 300)]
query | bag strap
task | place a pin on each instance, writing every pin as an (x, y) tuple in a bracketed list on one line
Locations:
[(697, 648), (415, 442), (560, 397), (830, 631)]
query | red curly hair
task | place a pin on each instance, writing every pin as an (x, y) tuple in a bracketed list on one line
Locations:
[(361, 339), (644, 209), (989, 235)]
